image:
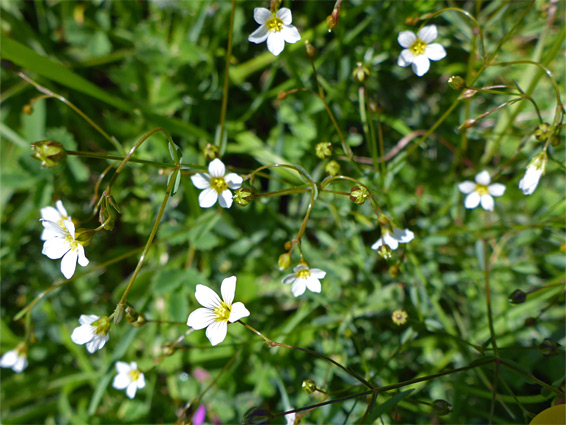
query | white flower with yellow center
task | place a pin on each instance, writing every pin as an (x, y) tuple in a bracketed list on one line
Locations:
[(481, 191), (418, 51), (534, 172), (393, 238), (128, 378), (303, 278), (62, 243), (275, 28), (57, 215), (216, 185), (216, 312), (93, 332), (16, 359)]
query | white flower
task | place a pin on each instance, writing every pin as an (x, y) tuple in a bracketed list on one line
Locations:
[(418, 50), (129, 378), (290, 418), (93, 332), (216, 185), (275, 28), (16, 359), (392, 240), (56, 215), (303, 278), (217, 313), (534, 172), (62, 243), (481, 191)]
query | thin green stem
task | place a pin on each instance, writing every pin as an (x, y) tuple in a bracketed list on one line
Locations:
[(226, 77), (121, 158)]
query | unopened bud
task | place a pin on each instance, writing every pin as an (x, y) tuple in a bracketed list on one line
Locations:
[(457, 82), (243, 197), (332, 19), (48, 152), (542, 132), (211, 152), (27, 109), (311, 51), (517, 297), (384, 252), (359, 195), (323, 150), (549, 348), (441, 407), (467, 94), (140, 322), (361, 73), (309, 386), (131, 315), (284, 261), (332, 168), (288, 245), (467, 124)]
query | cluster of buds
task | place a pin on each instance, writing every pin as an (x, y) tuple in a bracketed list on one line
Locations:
[(48, 152)]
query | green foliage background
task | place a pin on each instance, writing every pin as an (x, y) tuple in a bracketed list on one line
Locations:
[(133, 66)]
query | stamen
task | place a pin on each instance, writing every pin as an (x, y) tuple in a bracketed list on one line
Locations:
[(218, 184), (418, 47), (482, 189), (222, 312), (303, 274), (274, 24), (134, 375)]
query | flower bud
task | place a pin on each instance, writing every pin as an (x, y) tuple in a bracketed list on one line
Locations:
[(517, 297), (311, 51), (243, 196), (359, 195), (384, 252), (399, 317), (323, 150), (549, 348), (48, 152), (361, 73), (288, 245), (441, 407), (309, 386), (284, 261), (542, 132), (211, 152), (467, 94), (131, 315), (332, 168), (457, 82), (140, 322), (332, 19)]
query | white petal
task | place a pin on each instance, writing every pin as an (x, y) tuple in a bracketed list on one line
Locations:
[(238, 311), (21, 364), (420, 65), (87, 319), (54, 227), (69, 264), (483, 178), (405, 58), (228, 289), (61, 209), (406, 38), (435, 52), (121, 381), (123, 368), (377, 244), (313, 284), (299, 287), (225, 199), (69, 225), (259, 35), (472, 200), (216, 332), (290, 418), (487, 202), (290, 34), (55, 248), (262, 15), (233, 181), (131, 390), (317, 273), (83, 261), (390, 241), (530, 180), (201, 180), (428, 34), (141, 381), (403, 236), (207, 297), (467, 187), (207, 198), (285, 15), (216, 168), (496, 189), (97, 343), (82, 334), (290, 278), (275, 43), (51, 214), (201, 318), (49, 234), (9, 359)]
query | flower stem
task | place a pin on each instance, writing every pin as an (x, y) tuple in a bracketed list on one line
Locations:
[(226, 77)]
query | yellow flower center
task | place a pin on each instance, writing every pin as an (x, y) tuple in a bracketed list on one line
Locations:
[(303, 274), (222, 312), (482, 189), (134, 375), (418, 47), (274, 24), (218, 184), (72, 242)]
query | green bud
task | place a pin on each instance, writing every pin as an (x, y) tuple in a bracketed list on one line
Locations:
[(542, 132), (140, 322), (517, 297), (359, 195), (332, 168), (309, 386), (107, 212), (211, 152), (549, 348), (284, 261), (441, 407), (131, 315), (323, 150), (457, 82), (361, 73), (48, 152), (243, 197), (311, 51)]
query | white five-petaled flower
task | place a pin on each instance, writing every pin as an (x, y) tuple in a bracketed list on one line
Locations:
[(534, 172), (303, 278), (57, 215), (216, 185), (93, 332), (128, 378), (393, 239), (15, 359), (61, 242), (275, 28), (418, 52), (481, 191), (216, 312)]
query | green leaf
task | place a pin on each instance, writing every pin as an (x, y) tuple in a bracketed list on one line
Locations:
[(387, 406)]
